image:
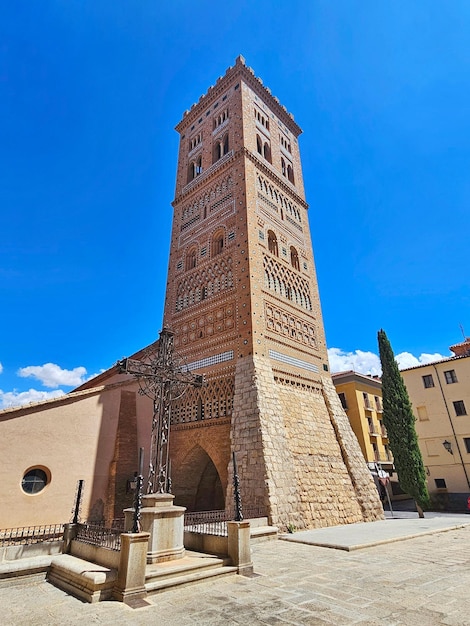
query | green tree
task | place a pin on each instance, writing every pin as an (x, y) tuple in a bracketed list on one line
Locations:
[(400, 424)]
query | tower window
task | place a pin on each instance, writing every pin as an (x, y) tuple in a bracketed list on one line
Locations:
[(217, 244), (272, 243), (191, 259), (290, 174), (221, 148), (267, 152), (195, 141), (294, 258), (221, 118), (259, 145)]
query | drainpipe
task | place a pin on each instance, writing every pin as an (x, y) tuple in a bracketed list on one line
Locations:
[(451, 424)]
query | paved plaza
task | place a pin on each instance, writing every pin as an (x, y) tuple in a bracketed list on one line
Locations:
[(422, 580)]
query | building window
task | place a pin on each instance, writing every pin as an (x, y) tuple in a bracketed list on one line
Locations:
[(459, 407), (220, 149), (34, 480), (294, 258), (272, 243), (378, 404), (267, 152), (428, 381), (366, 400), (191, 259), (221, 118), (440, 483), (450, 377), (195, 141), (290, 174), (466, 441), (217, 244), (342, 398)]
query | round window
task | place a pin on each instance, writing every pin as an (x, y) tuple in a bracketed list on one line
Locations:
[(34, 480)]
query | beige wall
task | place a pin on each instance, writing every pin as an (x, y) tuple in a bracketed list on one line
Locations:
[(70, 438), (437, 421), (373, 440)]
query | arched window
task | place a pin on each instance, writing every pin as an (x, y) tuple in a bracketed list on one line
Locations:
[(272, 243), (191, 171), (198, 167), (290, 173), (283, 167), (267, 152), (259, 146), (217, 243), (190, 259), (220, 148), (294, 258)]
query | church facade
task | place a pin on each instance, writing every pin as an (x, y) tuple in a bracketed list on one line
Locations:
[(242, 300)]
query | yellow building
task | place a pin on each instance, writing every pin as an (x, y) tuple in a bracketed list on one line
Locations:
[(361, 397), (440, 395)]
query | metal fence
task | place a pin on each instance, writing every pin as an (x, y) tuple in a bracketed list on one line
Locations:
[(27, 535), (215, 522), (98, 535)]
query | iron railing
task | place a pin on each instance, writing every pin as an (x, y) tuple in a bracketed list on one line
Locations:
[(27, 535), (215, 522), (98, 535)]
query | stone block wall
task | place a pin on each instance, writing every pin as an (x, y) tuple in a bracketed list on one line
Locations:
[(297, 454)]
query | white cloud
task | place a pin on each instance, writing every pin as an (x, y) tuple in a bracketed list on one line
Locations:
[(406, 359), (51, 375), (369, 363), (359, 361), (17, 398)]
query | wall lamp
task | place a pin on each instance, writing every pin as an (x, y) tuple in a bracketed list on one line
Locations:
[(448, 446)]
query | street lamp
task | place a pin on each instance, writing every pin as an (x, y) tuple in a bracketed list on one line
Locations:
[(448, 446)]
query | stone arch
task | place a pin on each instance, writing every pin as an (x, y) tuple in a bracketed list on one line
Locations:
[(197, 484)]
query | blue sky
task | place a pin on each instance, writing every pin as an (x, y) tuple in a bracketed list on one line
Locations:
[(90, 92)]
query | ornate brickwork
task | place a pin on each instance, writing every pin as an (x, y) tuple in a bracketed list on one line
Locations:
[(213, 400), (204, 283), (205, 325), (289, 325), (277, 201), (286, 283)]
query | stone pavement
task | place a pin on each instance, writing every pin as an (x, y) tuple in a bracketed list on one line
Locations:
[(424, 580)]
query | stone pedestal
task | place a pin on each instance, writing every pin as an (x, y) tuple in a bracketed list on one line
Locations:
[(239, 549), (165, 524), (130, 585)]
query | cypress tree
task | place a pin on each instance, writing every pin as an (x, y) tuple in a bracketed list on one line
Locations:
[(399, 421)]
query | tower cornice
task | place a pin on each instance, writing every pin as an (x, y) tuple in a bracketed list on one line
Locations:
[(247, 74)]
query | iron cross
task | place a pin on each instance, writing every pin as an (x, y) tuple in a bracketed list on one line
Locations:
[(163, 377)]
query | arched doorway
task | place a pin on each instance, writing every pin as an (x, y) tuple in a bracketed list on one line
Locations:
[(196, 483)]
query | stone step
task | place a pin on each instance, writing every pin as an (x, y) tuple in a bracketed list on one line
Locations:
[(262, 533), (193, 567)]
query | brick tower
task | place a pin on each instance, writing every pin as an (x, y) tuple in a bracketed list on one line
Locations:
[(242, 299)]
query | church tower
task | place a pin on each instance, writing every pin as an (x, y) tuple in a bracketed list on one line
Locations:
[(242, 299)]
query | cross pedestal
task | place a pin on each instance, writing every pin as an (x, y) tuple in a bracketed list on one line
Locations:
[(165, 524)]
